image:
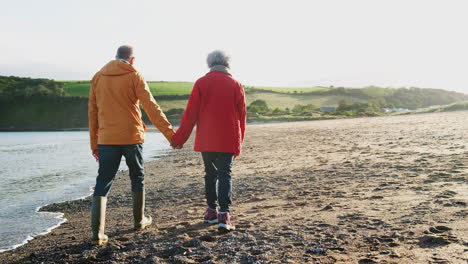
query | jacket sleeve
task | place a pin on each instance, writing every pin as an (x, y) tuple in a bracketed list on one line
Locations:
[(93, 117), (152, 109), (190, 117), (241, 112)]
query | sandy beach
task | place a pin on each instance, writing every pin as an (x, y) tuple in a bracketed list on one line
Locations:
[(368, 190)]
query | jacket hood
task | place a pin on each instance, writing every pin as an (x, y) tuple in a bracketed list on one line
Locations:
[(220, 68), (117, 67)]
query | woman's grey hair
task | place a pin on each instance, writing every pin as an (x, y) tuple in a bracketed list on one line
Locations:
[(218, 57), (124, 52)]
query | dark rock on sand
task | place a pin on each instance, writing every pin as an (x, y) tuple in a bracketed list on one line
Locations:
[(432, 241)]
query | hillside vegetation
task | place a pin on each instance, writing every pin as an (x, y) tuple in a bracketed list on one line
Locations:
[(12, 88), (81, 88), (47, 104), (460, 106), (283, 97)]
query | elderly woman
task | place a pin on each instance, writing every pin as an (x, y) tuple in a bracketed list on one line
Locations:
[(217, 106)]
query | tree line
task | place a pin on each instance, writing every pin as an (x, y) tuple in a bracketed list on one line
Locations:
[(19, 97), (13, 88), (375, 98)]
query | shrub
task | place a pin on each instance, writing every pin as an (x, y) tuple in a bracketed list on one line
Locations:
[(258, 106), (304, 108)]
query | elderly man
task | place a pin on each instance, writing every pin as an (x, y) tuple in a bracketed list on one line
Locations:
[(116, 129), (217, 106)]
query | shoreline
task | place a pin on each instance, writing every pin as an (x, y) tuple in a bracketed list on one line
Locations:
[(366, 190), (57, 215), (61, 215), (151, 128), (48, 230), (31, 237)]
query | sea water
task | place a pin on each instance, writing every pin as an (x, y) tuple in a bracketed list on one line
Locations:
[(39, 168)]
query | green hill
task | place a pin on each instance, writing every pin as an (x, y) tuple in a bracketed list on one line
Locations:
[(455, 107), (174, 95), (459, 106), (293, 90), (43, 104), (81, 88), (289, 100), (76, 88), (13, 88), (276, 97)]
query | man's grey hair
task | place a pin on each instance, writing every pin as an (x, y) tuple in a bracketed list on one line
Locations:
[(218, 57), (124, 52)]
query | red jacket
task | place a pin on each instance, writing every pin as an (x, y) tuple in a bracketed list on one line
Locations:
[(217, 106)]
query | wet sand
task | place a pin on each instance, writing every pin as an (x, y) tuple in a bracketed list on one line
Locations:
[(369, 190)]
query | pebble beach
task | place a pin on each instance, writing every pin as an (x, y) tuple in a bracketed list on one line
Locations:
[(366, 190)]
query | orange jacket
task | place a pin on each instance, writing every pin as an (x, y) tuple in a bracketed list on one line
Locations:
[(113, 110)]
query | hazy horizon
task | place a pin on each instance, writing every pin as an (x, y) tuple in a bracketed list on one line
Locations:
[(291, 86)]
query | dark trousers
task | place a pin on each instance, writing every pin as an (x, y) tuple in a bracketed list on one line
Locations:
[(218, 171), (109, 162)]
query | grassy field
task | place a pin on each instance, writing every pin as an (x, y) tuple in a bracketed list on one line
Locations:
[(171, 104), (81, 88), (58, 112), (170, 88), (460, 106), (374, 91), (292, 89), (456, 107), (283, 97), (76, 88), (282, 101)]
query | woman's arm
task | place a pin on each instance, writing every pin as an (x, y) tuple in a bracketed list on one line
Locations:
[(189, 119)]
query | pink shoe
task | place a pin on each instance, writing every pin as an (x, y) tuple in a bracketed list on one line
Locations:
[(224, 222), (211, 216)]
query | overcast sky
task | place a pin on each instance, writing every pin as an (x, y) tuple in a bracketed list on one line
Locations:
[(394, 43)]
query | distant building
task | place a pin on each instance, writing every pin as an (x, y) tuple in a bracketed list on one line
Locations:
[(327, 109)]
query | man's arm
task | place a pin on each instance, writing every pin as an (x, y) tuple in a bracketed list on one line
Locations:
[(152, 109), (93, 118), (190, 117)]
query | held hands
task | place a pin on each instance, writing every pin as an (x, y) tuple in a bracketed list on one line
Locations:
[(96, 154), (175, 146)]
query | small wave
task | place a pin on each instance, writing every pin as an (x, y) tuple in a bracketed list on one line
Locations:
[(17, 245), (48, 230)]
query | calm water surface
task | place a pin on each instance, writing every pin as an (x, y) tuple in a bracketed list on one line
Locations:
[(39, 168)]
